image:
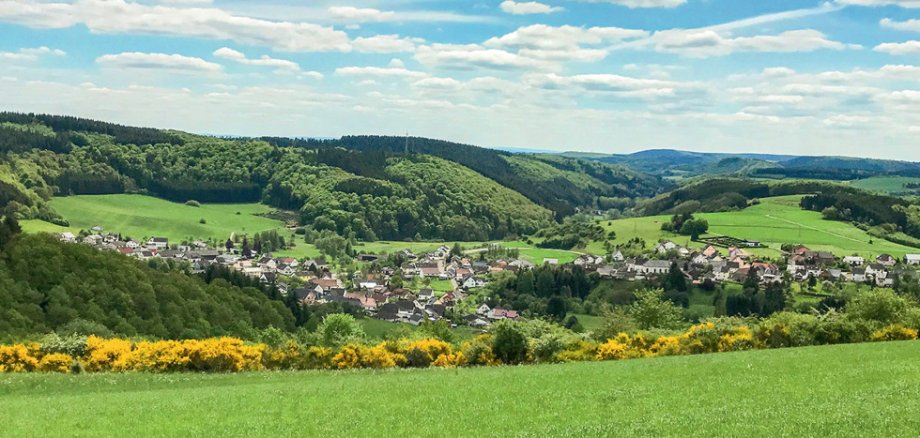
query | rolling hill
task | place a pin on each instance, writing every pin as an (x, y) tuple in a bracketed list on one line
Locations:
[(372, 187)]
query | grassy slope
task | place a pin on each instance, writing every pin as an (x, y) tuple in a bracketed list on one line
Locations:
[(885, 184), (774, 222), (855, 390), (143, 216)]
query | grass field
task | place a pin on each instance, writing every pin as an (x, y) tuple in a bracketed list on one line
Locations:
[(774, 222), (854, 390), (141, 216), (885, 184)]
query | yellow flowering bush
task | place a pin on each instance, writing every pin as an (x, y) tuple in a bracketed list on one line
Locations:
[(452, 360), (479, 351), (611, 350), (581, 351), (55, 363), (349, 357), (106, 354), (741, 339), (666, 346), (380, 357), (424, 352), (895, 333), (317, 358), (17, 359)]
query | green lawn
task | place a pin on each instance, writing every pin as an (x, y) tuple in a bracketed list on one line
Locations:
[(774, 222), (885, 184), (141, 216), (855, 390)]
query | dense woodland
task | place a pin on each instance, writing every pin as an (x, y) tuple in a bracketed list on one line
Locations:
[(363, 187), (51, 286)]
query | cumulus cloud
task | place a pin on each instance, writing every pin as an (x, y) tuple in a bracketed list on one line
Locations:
[(873, 3), (31, 54), (908, 25), (263, 61), (525, 8), (158, 61), (121, 17), (702, 43), (473, 56), (905, 48), (634, 4), (360, 15), (396, 69), (385, 44)]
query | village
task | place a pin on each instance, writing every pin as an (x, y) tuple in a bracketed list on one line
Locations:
[(381, 295)]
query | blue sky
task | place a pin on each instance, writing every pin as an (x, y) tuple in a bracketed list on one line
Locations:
[(833, 77)]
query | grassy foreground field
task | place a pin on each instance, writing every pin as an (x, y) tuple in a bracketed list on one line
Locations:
[(853, 390), (774, 222)]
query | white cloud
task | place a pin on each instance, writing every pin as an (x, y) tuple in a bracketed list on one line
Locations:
[(385, 44), (524, 8), (908, 25), (158, 61), (472, 56), (396, 69), (360, 15), (905, 48), (872, 3), (633, 4), (31, 54), (264, 61), (702, 43), (121, 17)]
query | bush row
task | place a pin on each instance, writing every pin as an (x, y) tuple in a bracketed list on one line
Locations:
[(508, 343)]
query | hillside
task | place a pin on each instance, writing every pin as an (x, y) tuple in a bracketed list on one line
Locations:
[(49, 285), (796, 392), (674, 163), (364, 186), (774, 222)]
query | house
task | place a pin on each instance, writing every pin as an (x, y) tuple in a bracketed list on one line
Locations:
[(499, 313), (854, 260), (912, 259), (472, 283), (158, 242), (551, 262), (476, 321), (68, 237), (886, 260), (859, 275), (665, 246), (655, 267), (617, 256), (483, 309)]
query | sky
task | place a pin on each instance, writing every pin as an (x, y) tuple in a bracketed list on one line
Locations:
[(807, 77)]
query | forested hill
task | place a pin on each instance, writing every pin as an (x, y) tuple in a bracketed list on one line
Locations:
[(366, 187), (667, 162), (561, 184)]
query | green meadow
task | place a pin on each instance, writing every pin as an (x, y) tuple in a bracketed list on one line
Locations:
[(885, 184), (774, 222), (849, 390)]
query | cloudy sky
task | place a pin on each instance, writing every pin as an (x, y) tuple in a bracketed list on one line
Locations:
[(838, 77)]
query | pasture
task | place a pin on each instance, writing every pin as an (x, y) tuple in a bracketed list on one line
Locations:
[(847, 390), (141, 216), (886, 184), (774, 222)]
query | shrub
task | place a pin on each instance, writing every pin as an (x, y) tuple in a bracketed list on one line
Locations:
[(56, 363), (192, 203), (423, 353), (611, 350), (581, 351), (895, 333), (479, 351), (339, 329), (71, 345), (509, 343), (106, 354), (349, 357), (879, 305), (17, 359)]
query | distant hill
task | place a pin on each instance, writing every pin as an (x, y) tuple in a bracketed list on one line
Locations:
[(371, 187), (671, 163)]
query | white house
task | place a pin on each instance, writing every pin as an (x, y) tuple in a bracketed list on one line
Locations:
[(665, 246), (912, 259), (854, 260), (158, 243)]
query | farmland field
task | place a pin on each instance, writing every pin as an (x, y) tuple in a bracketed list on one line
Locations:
[(774, 222), (141, 216), (885, 184), (852, 390)]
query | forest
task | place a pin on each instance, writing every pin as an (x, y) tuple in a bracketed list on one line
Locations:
[(368, 188)]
